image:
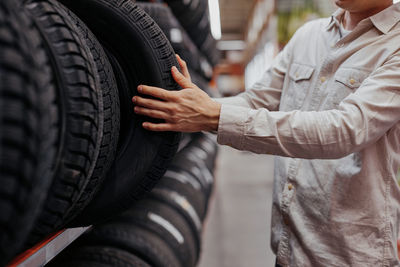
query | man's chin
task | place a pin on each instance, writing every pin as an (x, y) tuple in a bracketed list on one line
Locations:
[(344, 4)]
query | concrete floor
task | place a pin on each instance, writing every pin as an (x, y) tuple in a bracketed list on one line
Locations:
[(237, 230)]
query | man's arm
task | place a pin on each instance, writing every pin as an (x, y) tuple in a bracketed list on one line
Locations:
[(191, 110), (265, 93), (361, 119)]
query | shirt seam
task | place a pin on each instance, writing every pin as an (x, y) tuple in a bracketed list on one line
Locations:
[(244, 126), (386, 239)]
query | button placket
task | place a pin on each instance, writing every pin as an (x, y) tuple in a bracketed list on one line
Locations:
[(283, 248), (322, 82), (287, 196)]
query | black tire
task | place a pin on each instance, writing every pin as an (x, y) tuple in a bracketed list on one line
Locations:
[(143, 54), (81, 114), (183, 186), (28, 132), (136, 240), (203, 147), (194, 17), (185, 140), (201, 82), (197, 160), (199, 24), (179, 39), (168, 224), (96, 256), (209, 49), (111, 114), (186, 162), (190, 13), (184, 207)]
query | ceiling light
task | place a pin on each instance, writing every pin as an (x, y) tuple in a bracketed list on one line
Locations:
[(215, 19)]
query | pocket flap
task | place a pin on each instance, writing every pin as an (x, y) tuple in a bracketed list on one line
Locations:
[(350, 77), (300, 72)]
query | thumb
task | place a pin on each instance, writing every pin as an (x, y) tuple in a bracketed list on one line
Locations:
[(180, 78)]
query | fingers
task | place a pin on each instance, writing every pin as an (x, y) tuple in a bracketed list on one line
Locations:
[(180, 78), (184, 68), (156, 114), (159, 127), (150, 103), (157, 92)]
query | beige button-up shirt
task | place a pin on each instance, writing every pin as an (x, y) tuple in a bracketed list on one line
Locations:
[(329, 107)]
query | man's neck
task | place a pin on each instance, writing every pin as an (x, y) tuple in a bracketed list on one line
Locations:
[(351, 19)]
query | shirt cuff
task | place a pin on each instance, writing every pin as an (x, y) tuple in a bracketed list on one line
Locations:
[(232, 125)]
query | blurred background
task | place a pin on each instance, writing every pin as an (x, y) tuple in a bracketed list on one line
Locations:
[(250, 33)]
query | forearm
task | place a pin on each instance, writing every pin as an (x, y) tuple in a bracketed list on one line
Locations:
[(291, 134), (211, 117), (314, 135)]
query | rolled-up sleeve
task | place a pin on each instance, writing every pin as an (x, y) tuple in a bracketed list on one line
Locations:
[(361, 119)]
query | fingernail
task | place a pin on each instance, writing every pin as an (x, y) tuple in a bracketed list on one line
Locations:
[(145, 124), (140, 88), (174, 69), (134, 99)]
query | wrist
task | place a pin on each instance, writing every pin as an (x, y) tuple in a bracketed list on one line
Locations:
[(214, 115)]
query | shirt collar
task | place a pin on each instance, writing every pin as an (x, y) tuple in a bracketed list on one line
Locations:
[(335, 19), (386, 19), (383, 21)]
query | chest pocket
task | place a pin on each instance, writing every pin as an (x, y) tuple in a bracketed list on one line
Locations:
[(299, 84), (346, 81)]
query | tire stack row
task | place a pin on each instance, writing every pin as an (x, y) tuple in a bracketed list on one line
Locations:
[(164, 229), (186, 24), (195, 18), (72, 151)]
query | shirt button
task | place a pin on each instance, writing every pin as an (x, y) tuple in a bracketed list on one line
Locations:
[(333, 45), (297, 75), (352, 81), (323, 79), (290, 187)]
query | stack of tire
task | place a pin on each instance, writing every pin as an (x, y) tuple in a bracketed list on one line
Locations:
[(186, 23), (195, 18), (164, 229), (72, 151)]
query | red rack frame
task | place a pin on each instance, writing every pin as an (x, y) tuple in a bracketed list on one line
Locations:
[(46, 250)]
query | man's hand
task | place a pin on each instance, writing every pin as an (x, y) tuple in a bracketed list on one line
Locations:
[(188, 110)]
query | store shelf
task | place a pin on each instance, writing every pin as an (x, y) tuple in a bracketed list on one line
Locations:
[(45, 251)]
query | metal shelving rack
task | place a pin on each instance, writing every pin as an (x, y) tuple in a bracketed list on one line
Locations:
[(46, 250)]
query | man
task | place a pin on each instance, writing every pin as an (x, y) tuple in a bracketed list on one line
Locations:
[(330, 108)]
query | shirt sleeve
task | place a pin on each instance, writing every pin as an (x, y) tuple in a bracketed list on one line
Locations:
[(360, 120)]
